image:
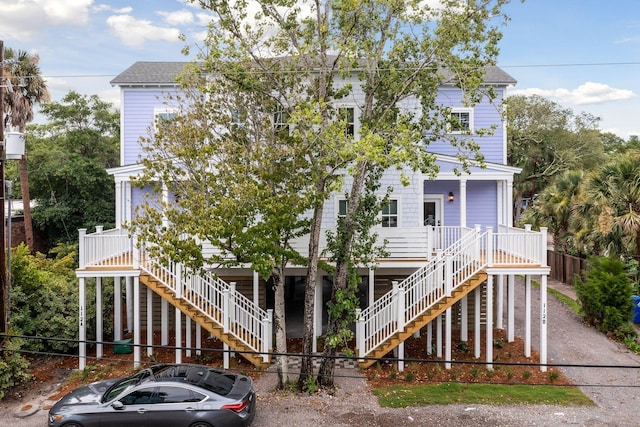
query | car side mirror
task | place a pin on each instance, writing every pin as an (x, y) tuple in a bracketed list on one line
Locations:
[(117, 405)]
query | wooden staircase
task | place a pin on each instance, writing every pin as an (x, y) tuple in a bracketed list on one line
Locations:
[(425, 318), (206, 317)]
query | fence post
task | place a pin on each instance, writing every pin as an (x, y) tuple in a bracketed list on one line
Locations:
[(266, 336), (359, 335), (178, 279), (232, 304), (82, 233), (398, 293), (448, 275), (136, 252)]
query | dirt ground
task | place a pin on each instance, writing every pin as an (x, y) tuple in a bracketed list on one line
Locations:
[(604, 370)]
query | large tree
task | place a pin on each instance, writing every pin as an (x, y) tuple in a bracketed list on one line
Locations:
[(545, 140), (292, 66), (27, 90), (67, 162)]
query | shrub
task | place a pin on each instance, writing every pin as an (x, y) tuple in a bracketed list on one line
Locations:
[(605, 296), (13, 367)]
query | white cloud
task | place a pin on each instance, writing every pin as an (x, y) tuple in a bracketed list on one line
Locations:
[(179, 17), (135, 32), (587, 93), (24, 19)]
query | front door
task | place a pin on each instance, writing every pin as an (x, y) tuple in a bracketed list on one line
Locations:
[(432, 211)]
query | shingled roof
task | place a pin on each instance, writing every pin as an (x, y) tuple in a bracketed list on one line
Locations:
[(164, 74)]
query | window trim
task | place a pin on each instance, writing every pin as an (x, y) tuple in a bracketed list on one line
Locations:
[(461, 110), (397, 214), (159, 111), (356, 117)]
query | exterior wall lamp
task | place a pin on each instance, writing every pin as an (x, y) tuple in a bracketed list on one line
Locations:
[(451, 197)]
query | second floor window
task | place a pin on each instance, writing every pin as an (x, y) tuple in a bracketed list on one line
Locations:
[(461, 120), (281, 121), (348, 116)]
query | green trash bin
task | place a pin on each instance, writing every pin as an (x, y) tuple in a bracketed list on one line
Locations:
[(122, 346)]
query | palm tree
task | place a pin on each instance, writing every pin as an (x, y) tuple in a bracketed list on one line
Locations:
[(615, 192), (19, 102)]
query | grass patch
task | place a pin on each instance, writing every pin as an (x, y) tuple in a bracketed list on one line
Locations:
[(400, 396)]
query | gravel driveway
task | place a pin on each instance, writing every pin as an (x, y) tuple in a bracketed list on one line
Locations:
[(615, 391)]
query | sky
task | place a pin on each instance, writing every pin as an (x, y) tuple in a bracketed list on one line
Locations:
[(582, 54)]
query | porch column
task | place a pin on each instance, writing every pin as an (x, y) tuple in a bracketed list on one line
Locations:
[(82, 326), (117, 308), (464, 319), (149, 322), (119, 204), (126, 209), (400, 351), (509, 203), (318, 310), (188, 331), (439, 336), (99, 319), (256, 288), (543, 322), (198, 339), (136, 323), (165, 200), (447, 337), (527, 316), (129, 296), (178, 335), (164, 322), (372, 286), (463, 202), (489, 331), (477, 292), (500, 302), (511, 308), (430, 338)]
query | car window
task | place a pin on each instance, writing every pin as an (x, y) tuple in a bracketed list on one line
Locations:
[(169, 394), (126, 383), (138, 397)]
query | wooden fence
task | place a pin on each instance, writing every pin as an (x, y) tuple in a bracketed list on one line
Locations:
[(564, 267)]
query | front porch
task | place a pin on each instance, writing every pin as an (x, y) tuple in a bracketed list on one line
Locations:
[(444, 275)]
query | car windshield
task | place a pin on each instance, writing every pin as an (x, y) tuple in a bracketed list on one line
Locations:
[(124, 384)]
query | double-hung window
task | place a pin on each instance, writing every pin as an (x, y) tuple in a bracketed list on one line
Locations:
[(347, 116), (281, 121), (461, 120), (390, 214)]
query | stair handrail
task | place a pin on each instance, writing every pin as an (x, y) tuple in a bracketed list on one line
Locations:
[(388, 315), (207, 293)]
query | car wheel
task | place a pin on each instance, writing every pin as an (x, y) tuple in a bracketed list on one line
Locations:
[(72, 425), (200, 424)]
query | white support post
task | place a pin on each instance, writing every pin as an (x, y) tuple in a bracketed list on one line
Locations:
[(500, 302), (198, 339), (136, 323), (477, 292), (117, 308), (188, 333), (527, 315), (489, 246), (129, 296), (82, 325), (543, 322), (256, 288), (439, 336), (398, 293), (99, 319), (178, 335), (149, 322), (511, 308), (447, 337), (225, 356), (164, 322), (489, 328), (372, 286), (464, 319), (401, 357), (430, 338)]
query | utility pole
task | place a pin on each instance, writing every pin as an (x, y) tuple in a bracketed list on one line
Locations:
[(4, 290)]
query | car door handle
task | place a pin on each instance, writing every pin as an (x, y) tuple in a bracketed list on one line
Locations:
[(189, 409), (142, 410)]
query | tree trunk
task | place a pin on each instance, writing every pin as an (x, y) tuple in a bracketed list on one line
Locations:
[(340, 279), (279, 323), (306, 367), (26, 202)]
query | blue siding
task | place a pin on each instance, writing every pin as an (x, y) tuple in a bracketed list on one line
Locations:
[(482, 201)]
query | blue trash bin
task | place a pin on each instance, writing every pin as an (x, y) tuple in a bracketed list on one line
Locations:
[(636, 308)]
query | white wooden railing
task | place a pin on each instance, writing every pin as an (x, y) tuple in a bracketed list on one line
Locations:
[(450, 268), (212, 297)]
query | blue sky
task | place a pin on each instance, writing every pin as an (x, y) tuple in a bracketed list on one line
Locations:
[(582, 54)]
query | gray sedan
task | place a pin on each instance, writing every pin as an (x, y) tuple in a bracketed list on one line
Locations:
[(161, 395)]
